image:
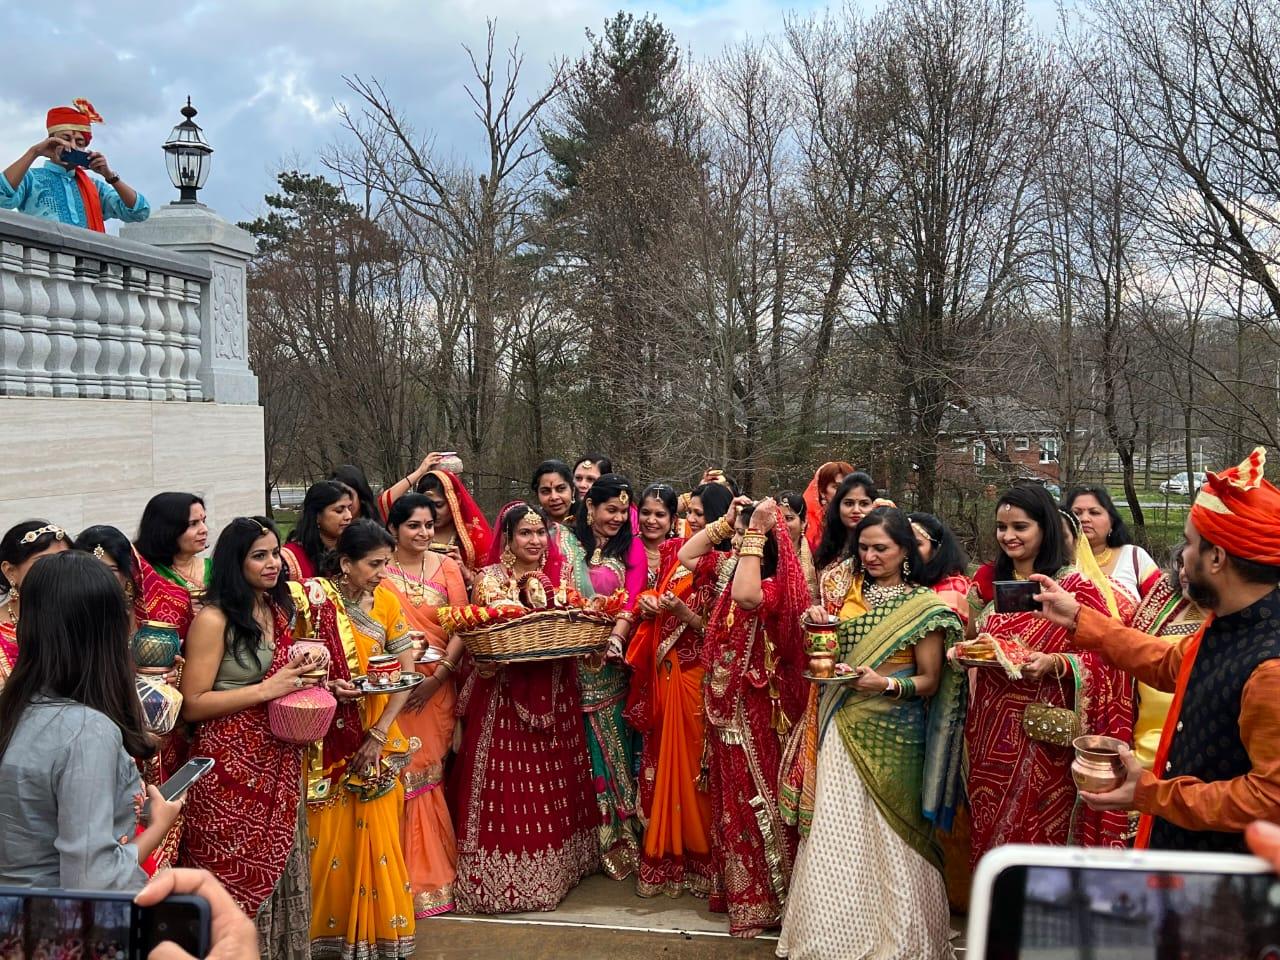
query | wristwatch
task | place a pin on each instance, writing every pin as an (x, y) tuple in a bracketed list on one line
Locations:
[(113, 179)]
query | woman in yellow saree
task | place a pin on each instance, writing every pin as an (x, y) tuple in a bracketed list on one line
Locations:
[(361, 906), (424, 581)]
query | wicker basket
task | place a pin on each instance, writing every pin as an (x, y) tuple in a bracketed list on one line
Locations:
[(541, 635)]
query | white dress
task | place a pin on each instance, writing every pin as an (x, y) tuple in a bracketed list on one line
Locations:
[(859, 891)]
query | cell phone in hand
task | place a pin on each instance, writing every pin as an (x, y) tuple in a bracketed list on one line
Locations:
[(1017, 596), (36, 923), (77, 158), (1073, 903), (181, 782)]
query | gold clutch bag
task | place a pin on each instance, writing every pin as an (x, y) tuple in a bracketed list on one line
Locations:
[(1049, 724)]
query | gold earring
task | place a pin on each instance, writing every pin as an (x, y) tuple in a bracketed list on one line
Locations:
[(508, 558)]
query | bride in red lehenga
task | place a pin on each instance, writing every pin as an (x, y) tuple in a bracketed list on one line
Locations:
[(520, 790), (754, 657)]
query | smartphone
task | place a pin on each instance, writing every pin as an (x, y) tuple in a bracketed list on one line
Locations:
[(37, 924), (1016, 596), (181, 781), (78, 158), (1072, 903)]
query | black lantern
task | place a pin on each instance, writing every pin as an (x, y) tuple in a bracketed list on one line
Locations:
[(187, 156)]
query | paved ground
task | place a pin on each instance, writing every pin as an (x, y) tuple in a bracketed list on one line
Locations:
[(600, 918)]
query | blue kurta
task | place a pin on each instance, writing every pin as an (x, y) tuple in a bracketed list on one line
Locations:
[(51, 192)]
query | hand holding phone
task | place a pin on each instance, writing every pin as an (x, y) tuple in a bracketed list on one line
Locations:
[(177, 785), (77, 158)]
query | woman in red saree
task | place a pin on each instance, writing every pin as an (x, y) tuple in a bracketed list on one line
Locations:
[(245, 821), (664, 704), (424, 581), (754, 657), (520, 790), (21, 546), (326, 512), (1020, 789), (462, 532)]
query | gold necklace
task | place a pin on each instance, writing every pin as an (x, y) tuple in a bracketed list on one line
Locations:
[(416, 592), (189, 573), (1104, 558)]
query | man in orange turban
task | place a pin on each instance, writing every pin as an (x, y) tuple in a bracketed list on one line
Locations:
[(1218, 765), (62, 190)]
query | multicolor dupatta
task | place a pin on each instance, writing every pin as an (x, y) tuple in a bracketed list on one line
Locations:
[(241, 819), (317, 603), (907, 752)]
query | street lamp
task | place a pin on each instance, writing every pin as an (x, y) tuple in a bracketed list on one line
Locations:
[(187, 156)]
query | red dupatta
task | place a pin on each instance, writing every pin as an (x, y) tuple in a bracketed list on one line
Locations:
[(159, 599), (241, 819), (472, 529)]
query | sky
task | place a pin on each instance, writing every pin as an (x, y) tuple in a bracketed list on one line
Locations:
[(267, 75)]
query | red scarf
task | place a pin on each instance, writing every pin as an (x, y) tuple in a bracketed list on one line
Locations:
[(92, 202)]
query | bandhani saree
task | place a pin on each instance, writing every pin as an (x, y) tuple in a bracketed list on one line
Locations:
[(1164, 612), (609, 739), (665, 704), (242, 819), (520, 787), (8, 651), (362, 903), (754, 691), (1020, 790), (430, 850), (888, 771)]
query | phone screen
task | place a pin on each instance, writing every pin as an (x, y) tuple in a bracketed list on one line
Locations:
[(1078, 913), (187, 774), (79, 158), (1016, 596), (61, 925)]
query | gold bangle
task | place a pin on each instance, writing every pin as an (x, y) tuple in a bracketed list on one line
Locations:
[(378, 735), (719, 530), (751, 550)]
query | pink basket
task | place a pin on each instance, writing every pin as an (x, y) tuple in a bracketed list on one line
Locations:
[(302, 717)]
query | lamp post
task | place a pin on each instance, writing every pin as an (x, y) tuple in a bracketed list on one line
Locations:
[(187, 156)]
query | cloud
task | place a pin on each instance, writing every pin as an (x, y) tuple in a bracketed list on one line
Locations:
[(266, 74)]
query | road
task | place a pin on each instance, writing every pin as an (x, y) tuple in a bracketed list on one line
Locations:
[(600, 918)]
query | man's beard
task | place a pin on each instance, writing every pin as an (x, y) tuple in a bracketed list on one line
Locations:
[(1199, 591)]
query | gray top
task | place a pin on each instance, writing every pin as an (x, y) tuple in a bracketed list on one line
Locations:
[(66, 798)]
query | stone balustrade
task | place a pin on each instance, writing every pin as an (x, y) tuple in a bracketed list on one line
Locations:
[(91, 315)]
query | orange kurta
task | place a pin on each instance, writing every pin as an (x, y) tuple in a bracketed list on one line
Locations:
[(1225, 805), (430, 849)]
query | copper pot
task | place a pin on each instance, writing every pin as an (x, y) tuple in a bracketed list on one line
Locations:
[(822, 665), (1097, 767)]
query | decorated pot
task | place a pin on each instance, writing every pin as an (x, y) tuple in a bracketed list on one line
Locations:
[(821, 636), (161, 703), (384, 670), (302, 716), (1097, 767), (155, 644)]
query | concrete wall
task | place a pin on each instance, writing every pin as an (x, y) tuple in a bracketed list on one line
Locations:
[(78, 462)]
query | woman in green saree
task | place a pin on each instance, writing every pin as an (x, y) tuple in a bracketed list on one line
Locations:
[(868, 877)]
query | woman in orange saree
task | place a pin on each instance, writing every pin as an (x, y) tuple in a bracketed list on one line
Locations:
[(1020, 789), (424, 581), (664, 704)]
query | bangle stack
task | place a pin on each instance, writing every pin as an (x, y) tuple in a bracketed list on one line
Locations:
[(752, 544), (719, 530), (378, 735), (904, 689), (446, 666)]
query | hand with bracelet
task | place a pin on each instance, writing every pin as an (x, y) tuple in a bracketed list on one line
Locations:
[(365, 760), (421, 695)]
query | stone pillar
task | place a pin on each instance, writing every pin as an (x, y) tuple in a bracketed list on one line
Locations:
[(194, 229)]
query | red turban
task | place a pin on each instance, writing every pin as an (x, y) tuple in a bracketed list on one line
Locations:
[(76, 117), (1239, 511)]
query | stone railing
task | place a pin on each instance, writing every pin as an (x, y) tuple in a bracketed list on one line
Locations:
[(90, 315)]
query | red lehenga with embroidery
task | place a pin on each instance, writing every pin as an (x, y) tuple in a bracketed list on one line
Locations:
[(520, 790), (754, 692)]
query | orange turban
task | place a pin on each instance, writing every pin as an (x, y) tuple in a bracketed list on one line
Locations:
[(76, 117), (1239, 511)]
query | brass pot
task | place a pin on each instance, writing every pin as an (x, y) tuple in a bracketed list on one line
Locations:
[(822, 665), (1097, 767)]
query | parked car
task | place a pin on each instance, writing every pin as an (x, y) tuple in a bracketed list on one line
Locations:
[(1177, 485)]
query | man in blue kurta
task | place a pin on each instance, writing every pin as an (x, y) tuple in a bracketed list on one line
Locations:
[(62, 190)]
